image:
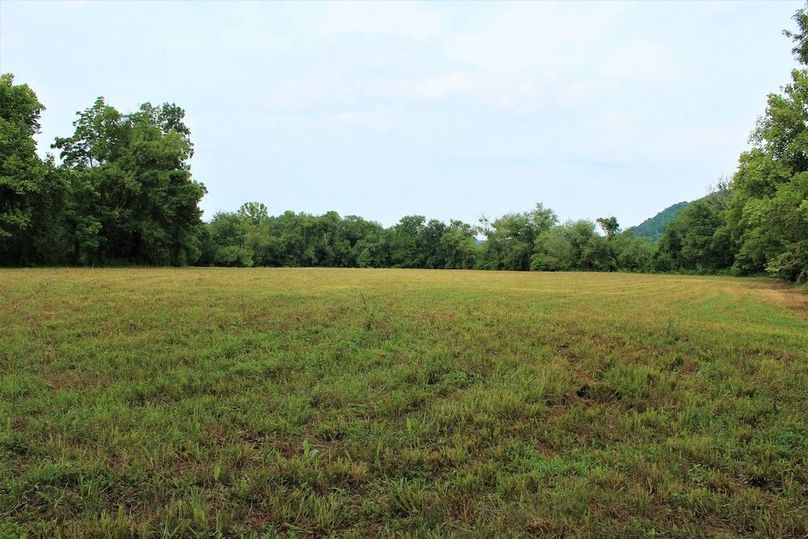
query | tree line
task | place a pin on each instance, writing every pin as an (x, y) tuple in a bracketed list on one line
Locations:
[(518, 241), (122, 193)]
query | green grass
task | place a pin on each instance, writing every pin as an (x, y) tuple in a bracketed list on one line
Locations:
[(162, 402)]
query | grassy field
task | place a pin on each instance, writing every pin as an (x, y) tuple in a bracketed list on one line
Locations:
[(164, 402)]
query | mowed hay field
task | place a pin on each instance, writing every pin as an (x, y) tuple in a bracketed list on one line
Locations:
[(182, 402)]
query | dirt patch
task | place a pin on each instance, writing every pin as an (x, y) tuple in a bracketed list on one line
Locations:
[(787, 297)]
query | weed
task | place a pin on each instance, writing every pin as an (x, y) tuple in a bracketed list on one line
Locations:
[(272, 402)]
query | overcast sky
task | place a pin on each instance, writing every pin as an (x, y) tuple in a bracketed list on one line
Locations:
[(449, 110)]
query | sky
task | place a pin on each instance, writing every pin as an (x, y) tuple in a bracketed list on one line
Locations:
[(448, 110)]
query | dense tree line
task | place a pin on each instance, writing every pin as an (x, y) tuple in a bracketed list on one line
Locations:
[(759, 221), (518, 241), (122, 193)]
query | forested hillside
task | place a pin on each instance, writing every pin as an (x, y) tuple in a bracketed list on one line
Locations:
[(121, 192), (653, 227)]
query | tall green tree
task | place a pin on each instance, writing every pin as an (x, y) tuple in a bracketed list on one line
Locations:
[(408, 242), (609, 225), (133, 199), (572, 246), (633, 253), (24, 177), (230, 241), (767, 219), (696, 239), (510, 240), (459, 247)]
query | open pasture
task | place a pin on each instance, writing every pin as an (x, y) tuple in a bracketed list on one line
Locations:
[(177, 402)]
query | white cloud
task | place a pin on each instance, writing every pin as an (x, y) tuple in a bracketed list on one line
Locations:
[(536, 36), (641, 61), (375, 120), (520, 57), (76, 4), (520, 99), (391, 19)]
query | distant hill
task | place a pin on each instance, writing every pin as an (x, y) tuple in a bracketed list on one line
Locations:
[(652, 227)]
